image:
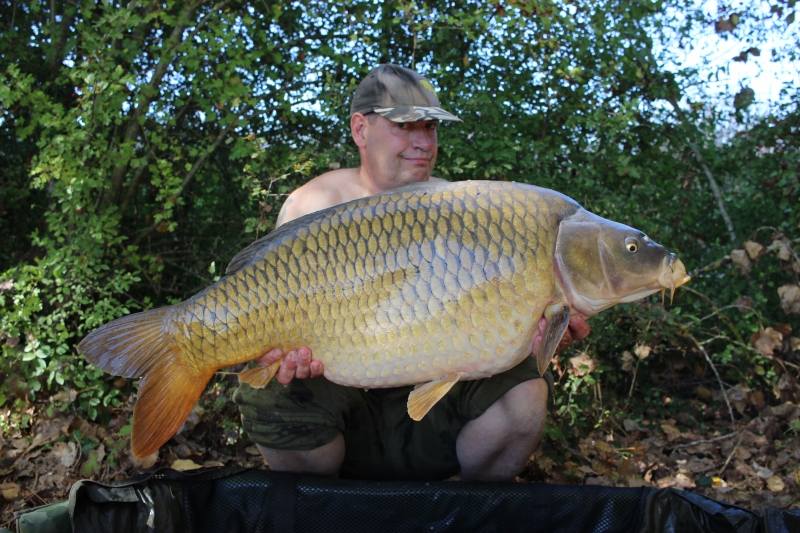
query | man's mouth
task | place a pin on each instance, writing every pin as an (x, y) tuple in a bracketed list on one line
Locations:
[(419, 160)]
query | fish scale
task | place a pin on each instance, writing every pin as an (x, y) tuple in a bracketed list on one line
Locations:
[(428, 284), (425, 286)]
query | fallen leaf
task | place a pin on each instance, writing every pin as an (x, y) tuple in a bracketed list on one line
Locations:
[(743, 454), (700, 464), (762, 471), (191, 421), (64, 396), (642, 351), (775, 484), (185, 464), (718, 482), (679, 481), (794, 343), (627, 361), (742, 261), (600, 481), (628, 467), (64, 452), (252, 450), (671, 431), (603, 467), (766, 341), (582, 364), (757, 399), (790, 298), (603, 447), (784, 253), (145, 462), (754, 249), (10, 491), (785, 382), (704, 393), (630, 425), (737, 393), (744, 304)]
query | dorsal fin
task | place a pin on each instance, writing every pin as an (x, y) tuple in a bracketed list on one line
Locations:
[(254, 251)]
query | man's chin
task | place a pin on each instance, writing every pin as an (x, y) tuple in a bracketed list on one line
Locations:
[(407, 178)]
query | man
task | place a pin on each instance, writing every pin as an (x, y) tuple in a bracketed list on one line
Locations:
[(486, 429)]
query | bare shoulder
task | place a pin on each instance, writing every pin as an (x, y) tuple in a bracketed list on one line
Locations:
[(324, 191)]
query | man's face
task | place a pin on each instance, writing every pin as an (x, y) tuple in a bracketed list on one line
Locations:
[(399, 153)]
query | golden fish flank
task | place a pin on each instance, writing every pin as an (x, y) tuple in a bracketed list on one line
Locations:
[(428, 284)]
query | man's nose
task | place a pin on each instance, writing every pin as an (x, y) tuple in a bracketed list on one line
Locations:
[(421, 139)]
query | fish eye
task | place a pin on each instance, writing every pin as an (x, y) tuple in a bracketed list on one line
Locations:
[(631, 244)]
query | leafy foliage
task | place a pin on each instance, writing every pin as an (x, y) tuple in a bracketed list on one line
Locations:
[(144, 144)]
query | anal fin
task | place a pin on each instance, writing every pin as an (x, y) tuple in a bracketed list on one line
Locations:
[(425, 396), (557, 316), (260, 376)]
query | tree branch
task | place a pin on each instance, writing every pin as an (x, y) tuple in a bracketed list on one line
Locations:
[(167, 57), (707, 171), (195, 168)]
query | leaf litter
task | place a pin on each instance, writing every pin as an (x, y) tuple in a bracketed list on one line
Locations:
[(754, 463)]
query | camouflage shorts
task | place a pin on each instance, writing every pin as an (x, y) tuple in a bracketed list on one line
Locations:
[(381, 440)]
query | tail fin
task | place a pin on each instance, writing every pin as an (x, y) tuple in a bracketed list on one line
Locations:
[(138, 345)]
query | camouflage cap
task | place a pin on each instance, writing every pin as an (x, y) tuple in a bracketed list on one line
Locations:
[(399, 94)]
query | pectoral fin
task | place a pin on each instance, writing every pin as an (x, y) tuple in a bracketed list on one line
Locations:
[(425, 396), (260, 376), (557, 316)]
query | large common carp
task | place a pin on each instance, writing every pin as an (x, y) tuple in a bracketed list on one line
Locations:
[(427, 284)]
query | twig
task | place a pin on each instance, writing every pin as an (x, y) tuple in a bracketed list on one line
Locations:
[(575, 452), (733, 451), (707, 171), (703, 441), (727, 307), (713, 266), (721, 386), (714, 308)]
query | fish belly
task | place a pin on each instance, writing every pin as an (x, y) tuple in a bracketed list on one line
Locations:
[(391, 290)]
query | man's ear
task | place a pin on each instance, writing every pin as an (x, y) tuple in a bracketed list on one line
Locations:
[(358, 129)]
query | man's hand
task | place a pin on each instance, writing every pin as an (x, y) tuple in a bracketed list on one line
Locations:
[(578, 329), (297, 364)]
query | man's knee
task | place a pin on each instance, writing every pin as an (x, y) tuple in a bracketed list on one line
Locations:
[(325, 460), (524, 407)]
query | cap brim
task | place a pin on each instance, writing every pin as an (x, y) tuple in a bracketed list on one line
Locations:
[(415, 113)]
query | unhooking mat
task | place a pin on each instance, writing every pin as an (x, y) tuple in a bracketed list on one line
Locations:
[(233, 499)]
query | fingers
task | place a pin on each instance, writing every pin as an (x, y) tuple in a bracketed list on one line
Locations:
[(566, 340), (298, 364), (270, 357), (537, 338), (579, 328), (316, 368), (302, 358), (288, 368)]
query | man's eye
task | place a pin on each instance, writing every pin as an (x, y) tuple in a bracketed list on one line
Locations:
[(402, 125)]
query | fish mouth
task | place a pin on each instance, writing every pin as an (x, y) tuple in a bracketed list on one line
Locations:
[(673, 275)]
